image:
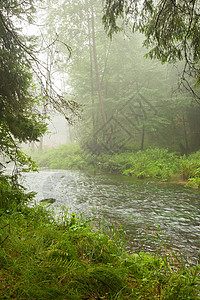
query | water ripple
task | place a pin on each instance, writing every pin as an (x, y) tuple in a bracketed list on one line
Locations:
[(142, 208)]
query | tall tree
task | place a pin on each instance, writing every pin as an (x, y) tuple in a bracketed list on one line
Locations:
[(98, 82), (20, 118), (19, 121), (80, 21)]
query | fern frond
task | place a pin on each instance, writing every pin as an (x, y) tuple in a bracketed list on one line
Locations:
[(60, 258)]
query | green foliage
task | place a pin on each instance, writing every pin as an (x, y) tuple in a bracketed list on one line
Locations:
[(151, 163), (154, 163), (68, 156), (12, 195), (190, 169), (193, 183), (42, 258), (170, 39), (190, 166), (107, 281), (19, 119)]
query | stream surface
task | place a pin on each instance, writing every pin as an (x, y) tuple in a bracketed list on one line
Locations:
[(150, 213)]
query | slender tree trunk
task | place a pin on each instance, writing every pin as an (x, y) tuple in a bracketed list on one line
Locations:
[(143, 126), (142, 140), (185, 135), (99, 85), (91, 73), (48, 88), (144, 116)]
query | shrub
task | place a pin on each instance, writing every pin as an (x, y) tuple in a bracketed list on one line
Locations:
[(12, 195)]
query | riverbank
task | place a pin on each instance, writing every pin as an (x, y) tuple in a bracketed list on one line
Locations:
[(44, 258), (154, 163), (69, 258)]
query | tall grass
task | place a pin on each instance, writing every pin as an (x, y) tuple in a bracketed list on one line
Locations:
[(44, 258)]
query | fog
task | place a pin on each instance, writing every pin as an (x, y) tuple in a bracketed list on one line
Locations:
[(127, 101)]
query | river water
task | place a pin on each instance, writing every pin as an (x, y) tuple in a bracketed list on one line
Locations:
[(150, 213)]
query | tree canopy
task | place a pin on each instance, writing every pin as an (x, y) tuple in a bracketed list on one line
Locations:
[(21, 118), (19, 121), (171, 29)]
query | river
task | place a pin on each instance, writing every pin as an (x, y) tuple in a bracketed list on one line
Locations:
[(150, 213)]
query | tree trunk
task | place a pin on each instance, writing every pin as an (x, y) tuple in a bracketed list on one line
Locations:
[(99, 85), (91, 74), (143, 126), (142, 139), (185, 135)]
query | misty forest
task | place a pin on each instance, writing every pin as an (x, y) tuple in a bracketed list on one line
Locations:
[(99, 149)]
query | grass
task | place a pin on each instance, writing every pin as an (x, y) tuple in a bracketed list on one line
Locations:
[(64, 258)]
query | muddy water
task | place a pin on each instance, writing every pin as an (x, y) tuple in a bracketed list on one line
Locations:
[(151, 214)]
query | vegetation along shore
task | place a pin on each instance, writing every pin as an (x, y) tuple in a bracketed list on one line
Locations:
[(152, 163), (43, 257)]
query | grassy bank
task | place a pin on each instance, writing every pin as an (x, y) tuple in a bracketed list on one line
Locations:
[(151, 163), (42, 258)]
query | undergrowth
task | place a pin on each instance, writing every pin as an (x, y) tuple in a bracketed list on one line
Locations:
[(43, 257), (68, 156)]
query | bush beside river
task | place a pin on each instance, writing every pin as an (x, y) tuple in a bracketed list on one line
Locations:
[(151, 163)]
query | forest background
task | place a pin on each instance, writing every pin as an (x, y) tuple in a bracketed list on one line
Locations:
[(129, 102)]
